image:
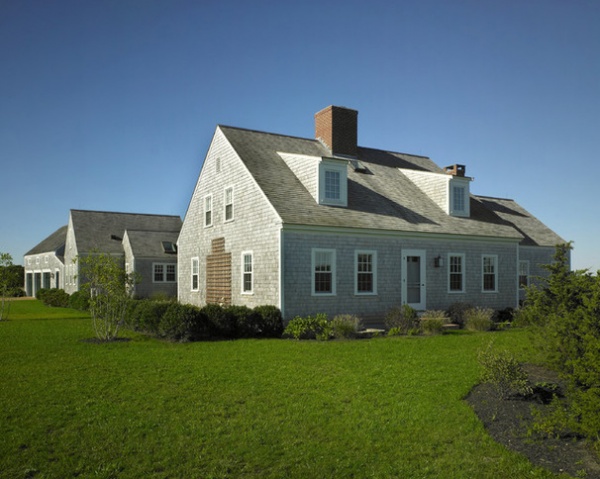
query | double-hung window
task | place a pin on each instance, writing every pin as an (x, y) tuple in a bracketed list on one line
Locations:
[(456, 273), (208, 219), (247, 273), (333, 182), (323, 271), (165, 273), (366, 272), (228, 204), (523, 274), (195, 274), (489, 265)]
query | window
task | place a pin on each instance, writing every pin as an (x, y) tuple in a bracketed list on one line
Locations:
[(456, 273), (323, 267), (490, 272), (333, 182), (458, 199), (247, 273), (208, 210), (228, 204), (165, 273), (169, 247), (332, 185), (366, 272), (195, 274), (523, 274)]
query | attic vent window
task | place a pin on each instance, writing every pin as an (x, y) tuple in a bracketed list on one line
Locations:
[(169, 247), (116, 238)]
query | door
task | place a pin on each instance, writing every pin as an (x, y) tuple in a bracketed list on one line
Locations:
[(413, 278)]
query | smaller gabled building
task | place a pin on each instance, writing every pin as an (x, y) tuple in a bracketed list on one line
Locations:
[(144, 243)]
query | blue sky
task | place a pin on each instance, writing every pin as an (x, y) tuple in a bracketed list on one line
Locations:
[(111, 105)]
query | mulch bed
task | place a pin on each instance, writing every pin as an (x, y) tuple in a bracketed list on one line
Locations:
[(509, 421)]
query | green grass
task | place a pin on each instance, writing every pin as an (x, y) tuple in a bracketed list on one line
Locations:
[(380, 408)]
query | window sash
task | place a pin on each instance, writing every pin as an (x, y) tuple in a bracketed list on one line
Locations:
[(164, 273), (523, 274), (323, 272), (195, 274), (365, 272), (458, 198), (332, 185), (489, 265), (208, 211), (228, 204), (247, 273), (158, 273), (456, 273)]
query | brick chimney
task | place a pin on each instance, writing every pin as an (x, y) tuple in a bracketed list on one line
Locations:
[(337, 127), (456, 170)]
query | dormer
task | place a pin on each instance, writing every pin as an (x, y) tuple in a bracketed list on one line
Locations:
[(449, 190), (325, 178)]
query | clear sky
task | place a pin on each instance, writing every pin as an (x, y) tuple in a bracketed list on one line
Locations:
[(111, 104)]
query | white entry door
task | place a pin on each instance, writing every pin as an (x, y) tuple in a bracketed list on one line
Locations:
[(414, 285)]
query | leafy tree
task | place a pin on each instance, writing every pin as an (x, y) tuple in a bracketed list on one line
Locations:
[(9, 276), (109, 288), (564, 315)]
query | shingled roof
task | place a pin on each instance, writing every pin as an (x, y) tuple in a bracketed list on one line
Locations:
[(105, 230), (54, 243), (383, 198), (150, 243)]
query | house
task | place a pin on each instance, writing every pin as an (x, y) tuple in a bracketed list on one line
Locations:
[(145, 243), (325, 225)]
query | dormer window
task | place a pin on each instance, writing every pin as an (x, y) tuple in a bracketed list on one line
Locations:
[(333, 182), (459, 197)]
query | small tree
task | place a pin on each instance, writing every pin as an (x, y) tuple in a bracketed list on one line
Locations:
[(8, 276), (109, 287)]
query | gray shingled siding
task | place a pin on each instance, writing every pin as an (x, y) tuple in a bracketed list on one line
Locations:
[(537, 257), (147, 287), (48, 270), (297, 269), (255, 228)]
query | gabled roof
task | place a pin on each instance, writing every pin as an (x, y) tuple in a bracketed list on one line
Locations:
[(534, 231), (382, 199), (105, 230), (149, 244), (55, 243)]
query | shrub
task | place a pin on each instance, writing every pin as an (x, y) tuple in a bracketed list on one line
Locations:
[(433, 322), (223, 321), (404, 319), (456, 312), (184, 322), (53, 297), (271, 322), (145, 315), (479, 319), (80, 300), (247, 321), (345, 326), (310, 327), (504, 372)]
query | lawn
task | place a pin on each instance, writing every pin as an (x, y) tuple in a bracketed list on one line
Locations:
[(377, 408)]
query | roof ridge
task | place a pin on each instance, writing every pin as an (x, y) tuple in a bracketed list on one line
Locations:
[(251, 130), (124, 213), (494, 198)]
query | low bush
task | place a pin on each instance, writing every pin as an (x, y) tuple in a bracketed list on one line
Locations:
[(403, 319), (184, 322), (247, 321), (223, 321), (145, 315), (479, 319), (456, 312), (310, 327), (55, 297), (80, 300), (345, 326), (271, 321), (504, 372), (432, 322)]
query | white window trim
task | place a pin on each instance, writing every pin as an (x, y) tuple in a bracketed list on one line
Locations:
[(244, 272), (164, 280), (463, 185), (495, 290), (337, 166), (463, 273), (333, 271), (212, 209), (526, 263), (225, 204), (197, 261), (373, 254)]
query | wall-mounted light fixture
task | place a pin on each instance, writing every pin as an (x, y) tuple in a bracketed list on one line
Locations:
[(438, 262)]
